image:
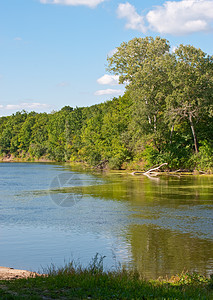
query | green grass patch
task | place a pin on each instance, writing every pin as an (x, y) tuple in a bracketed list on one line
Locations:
[(76, 282)]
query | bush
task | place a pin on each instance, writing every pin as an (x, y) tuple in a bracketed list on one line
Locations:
[(204, 159)]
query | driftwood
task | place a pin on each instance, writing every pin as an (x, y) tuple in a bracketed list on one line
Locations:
[(154, 169), (149, 171), (195, 172)]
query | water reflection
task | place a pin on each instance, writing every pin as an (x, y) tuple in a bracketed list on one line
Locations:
[(161, 227), (169, 222), (158, 252)]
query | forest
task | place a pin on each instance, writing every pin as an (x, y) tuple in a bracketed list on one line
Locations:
[(164, 116)]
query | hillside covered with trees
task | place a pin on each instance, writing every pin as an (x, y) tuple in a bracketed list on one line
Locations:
[(165, 115)]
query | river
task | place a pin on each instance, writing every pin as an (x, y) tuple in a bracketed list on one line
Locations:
[(52, 214)]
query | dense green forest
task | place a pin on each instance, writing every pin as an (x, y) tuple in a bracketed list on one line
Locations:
[(165, 115)]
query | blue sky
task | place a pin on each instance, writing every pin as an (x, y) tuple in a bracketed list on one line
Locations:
[(54, 52)]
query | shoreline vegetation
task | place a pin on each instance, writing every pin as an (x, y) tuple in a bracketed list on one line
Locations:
[(164, 116), (83, 166), (74, 282)]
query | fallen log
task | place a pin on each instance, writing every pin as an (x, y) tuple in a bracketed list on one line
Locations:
[(154, 169), (149, 171)]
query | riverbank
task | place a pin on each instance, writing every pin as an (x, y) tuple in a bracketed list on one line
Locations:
[(10, 273), (81, 165), (12, 158), (93, 283)]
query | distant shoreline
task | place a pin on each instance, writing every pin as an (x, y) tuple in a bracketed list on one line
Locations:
[(13, 159)]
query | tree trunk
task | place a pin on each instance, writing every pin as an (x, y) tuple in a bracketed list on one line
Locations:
[(150, 122), (172, 129), (193, 133), (155, 123)]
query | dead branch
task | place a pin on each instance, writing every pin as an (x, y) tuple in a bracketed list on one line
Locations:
[(154, 169), (149, 171)]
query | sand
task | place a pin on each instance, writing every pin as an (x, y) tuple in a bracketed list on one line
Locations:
[(10, 273)]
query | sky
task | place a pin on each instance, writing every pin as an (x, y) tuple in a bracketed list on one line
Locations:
[(54, 52)]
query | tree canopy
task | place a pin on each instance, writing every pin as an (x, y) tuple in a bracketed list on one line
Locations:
[(165, 115), (168, 89)]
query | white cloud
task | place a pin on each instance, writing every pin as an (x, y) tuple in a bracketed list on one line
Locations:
[(109, 92), (134, 20), (1, 106), (181, 17), (63, 84), (24, 105), (112, 52), (173, 17), (173, 48), (108, 79), (17, 38), (90, 3)]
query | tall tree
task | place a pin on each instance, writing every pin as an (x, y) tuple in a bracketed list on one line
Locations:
[(141, 64), (131, 57), (191, 77)]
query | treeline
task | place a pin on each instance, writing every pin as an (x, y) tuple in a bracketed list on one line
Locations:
[(165, 115), (89, 134)]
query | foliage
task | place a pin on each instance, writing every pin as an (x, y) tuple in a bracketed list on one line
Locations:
[(191, 76), (204, 160), (165, 115), (171, 94)]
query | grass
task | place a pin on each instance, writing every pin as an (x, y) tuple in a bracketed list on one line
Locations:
[(75, 282)]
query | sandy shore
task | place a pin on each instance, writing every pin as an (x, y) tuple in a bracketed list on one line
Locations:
[(12, 158), (10, 273)]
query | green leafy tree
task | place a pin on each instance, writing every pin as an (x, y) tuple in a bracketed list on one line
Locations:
[(25, 133), (131, 57), (10, 128), (73, 126), (5, 140), (56, 137), (191, 76), (169, 91), (141, 63), (39, 138), (92, 140)]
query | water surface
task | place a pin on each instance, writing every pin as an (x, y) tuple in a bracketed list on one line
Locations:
[(51, 213)]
